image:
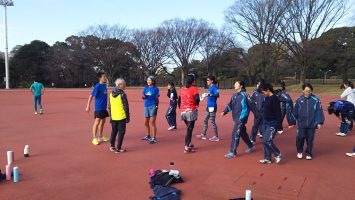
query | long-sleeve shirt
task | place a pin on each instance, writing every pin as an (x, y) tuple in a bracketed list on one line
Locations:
[(271, 109), (349, 94)]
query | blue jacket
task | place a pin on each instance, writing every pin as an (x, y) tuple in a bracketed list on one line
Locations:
[(344, 106), (213, 94), (286, 101), (239, 105), (258, 99), (308, 112)]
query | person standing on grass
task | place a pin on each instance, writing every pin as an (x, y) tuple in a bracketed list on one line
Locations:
[(100, 114), (188, 102), (271, 123), (151, 96), (240, 113), (119, 111), (37, 90), (308, 114), (352, 154), (171, 112), (344, 110), (257, 98), (211, 109)]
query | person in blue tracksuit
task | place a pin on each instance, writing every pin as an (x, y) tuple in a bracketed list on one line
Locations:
[(171, 112), (286, 106), (257, 98), (239, 105), (211, 110), (308, 114), (345, 111), (271, 123)]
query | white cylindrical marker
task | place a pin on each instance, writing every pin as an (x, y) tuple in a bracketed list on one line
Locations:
[(247, 194), (26, 151), (10, 157)]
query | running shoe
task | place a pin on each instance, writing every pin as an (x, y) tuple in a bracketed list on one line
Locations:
[(341, 134), (153, 141), (112, 149), (252, 141), (299, 155), (171, 128), (201, 136), (146, 138), (188, 150), (36, 113), (278, 159), (214, 139), (249, 150), (280, 132), (264, 161), (230, 155), (309, 158), (351, 154), (260, 136), (95, 141), (104, 139), (41, 112)]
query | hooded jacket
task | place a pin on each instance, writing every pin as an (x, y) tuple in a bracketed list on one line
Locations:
[(118, 93)]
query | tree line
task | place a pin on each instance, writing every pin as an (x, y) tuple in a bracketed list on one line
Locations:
[(287, 38)]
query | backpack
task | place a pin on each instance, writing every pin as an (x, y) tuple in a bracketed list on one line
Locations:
[(165, 193), (164, 179)]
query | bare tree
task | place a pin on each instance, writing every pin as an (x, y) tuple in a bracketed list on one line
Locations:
[(184, 38), (152, 48), (105, 31), (304, 21), (213, 46), (257, 21)]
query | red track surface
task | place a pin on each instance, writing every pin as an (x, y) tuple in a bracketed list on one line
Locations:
[(65, 165)]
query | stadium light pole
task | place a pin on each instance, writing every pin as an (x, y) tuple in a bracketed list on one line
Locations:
[(6, 3)]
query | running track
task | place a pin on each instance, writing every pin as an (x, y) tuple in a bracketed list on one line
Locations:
[(65, 165)]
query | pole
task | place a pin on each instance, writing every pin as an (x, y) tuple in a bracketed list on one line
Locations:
[(7, 74)]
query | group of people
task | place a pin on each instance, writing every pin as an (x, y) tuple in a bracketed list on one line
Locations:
[(269, 107)]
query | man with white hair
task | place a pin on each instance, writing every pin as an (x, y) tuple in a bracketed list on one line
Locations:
[(119, 112)]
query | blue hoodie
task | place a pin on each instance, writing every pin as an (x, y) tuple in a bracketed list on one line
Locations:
[(308, 112), (239, 107)]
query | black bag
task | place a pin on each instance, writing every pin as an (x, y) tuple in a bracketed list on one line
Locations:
[(165, 193), (164, 179)]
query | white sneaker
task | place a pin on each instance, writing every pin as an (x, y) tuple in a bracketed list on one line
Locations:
[(299, 155), (41, 112), (280, 132), (36, 113), (351, 154), (171, 128), (309, 158), (278, 159), (341, 134), (201, 136), (260, 136), (214, 139)]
